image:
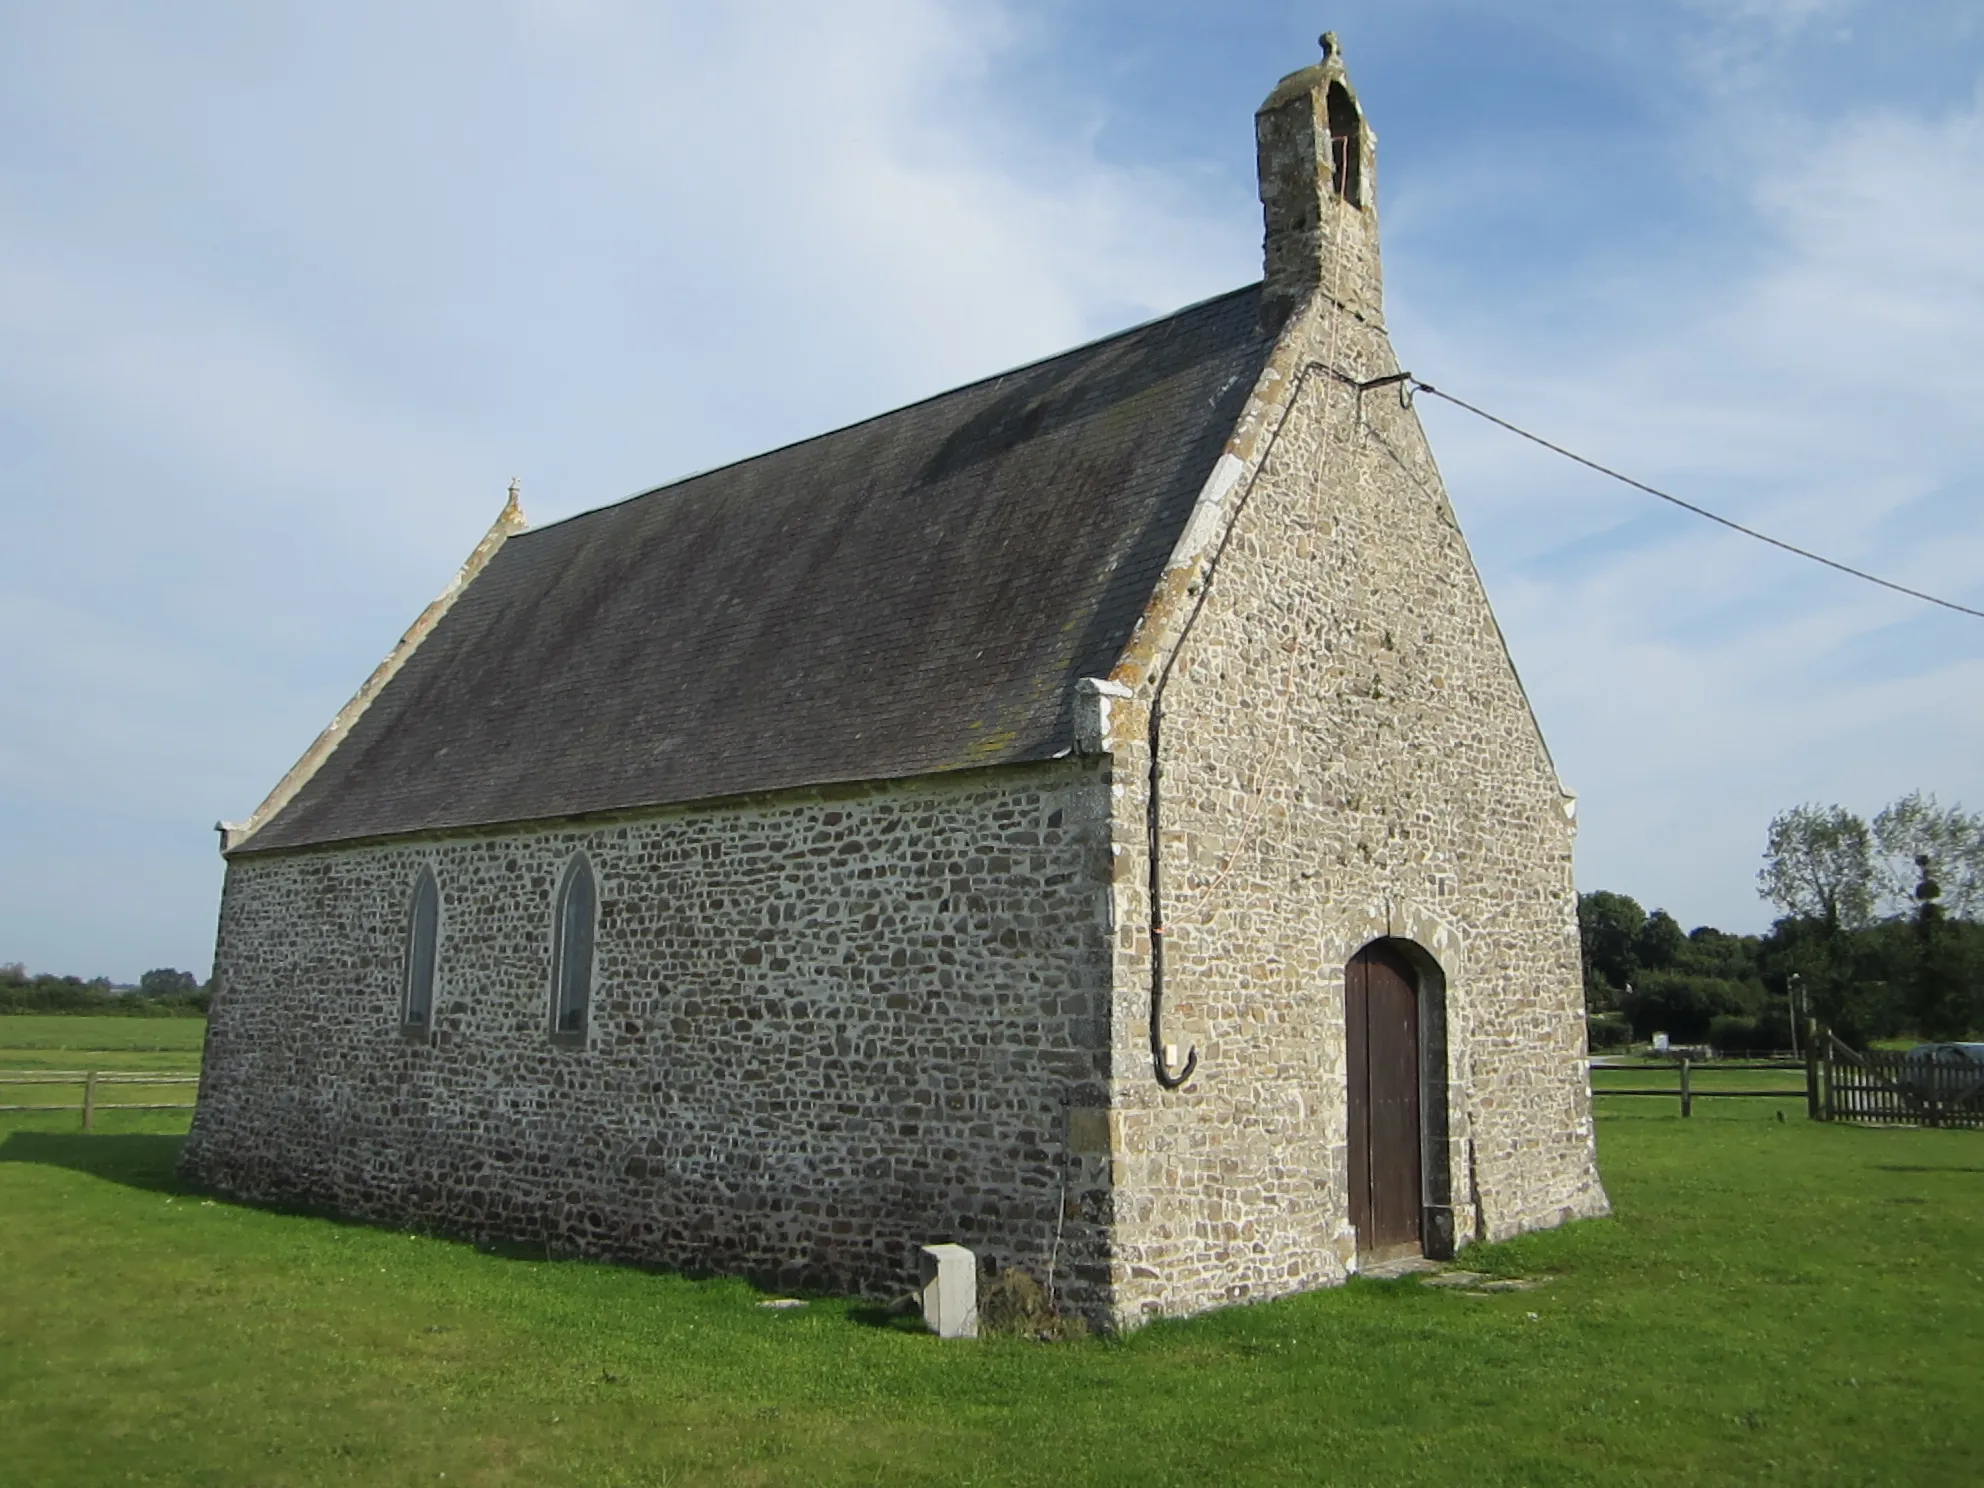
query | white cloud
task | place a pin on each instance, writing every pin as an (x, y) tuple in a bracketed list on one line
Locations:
[(1693, 681), (314, 290), (856, 191), (290, 294)]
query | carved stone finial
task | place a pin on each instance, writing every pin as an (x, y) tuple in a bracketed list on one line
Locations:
[(1332, 48), (513, 509)]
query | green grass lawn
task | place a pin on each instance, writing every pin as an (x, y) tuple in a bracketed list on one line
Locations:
[(1774, 1303)]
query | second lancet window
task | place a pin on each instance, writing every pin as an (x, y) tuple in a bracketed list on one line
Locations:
[(572, 945), (422, 945)]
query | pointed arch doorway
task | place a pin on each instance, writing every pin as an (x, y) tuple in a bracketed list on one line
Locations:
[(1394, 1044)]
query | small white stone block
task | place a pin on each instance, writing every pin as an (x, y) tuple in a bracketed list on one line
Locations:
[(950, 1290), (1092, 719)]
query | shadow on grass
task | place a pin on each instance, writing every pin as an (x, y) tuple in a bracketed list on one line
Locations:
[(143, 1160), (1922, 1168), (148, 1161), (891, 1317)]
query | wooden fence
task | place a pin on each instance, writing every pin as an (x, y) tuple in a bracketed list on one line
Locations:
[(1888, 1087), (94, 1080), (1840, 1084), (1688, 1093)]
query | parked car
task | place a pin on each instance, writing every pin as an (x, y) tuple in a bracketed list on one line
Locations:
[(1958, 1054), (1950, 1074)]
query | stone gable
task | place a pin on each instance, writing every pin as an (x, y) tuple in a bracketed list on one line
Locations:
[(1345, 754)]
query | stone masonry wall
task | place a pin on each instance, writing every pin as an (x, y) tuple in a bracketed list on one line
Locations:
[(1346, 753), (827, 1027)]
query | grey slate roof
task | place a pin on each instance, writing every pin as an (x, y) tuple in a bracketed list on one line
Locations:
[(915, 593)]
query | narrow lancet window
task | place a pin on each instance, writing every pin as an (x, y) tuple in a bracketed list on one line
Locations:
[(571, 956), (423, 936)]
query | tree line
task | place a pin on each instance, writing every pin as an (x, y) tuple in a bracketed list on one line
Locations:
[(161, 993), (1880, 935)]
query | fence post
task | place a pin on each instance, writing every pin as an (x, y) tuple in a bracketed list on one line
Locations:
[(89, 1099), (1687, 1091), (1812, 1110)]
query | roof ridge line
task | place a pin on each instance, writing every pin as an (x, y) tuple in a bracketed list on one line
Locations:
[(963, 387)]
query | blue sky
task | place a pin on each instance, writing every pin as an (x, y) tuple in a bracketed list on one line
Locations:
[(288, 294)]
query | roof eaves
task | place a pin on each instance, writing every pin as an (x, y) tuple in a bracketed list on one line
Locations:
[(486, 826)]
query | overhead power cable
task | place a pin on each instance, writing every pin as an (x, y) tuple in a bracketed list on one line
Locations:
[(1700, 511)]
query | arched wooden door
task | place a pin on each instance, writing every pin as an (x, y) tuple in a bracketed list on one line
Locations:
[(1381, 1039)]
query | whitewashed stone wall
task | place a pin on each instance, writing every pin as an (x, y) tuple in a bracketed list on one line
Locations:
[(827, 1027)]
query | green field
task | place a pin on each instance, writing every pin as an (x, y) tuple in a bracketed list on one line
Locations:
[(37, 1045), (1775, 1302), (38, 1033)]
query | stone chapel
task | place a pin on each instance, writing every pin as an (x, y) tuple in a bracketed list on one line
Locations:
[(1090, 816)]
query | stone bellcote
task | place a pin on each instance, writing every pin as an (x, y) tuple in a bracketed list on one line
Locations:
[(1318, 169)]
